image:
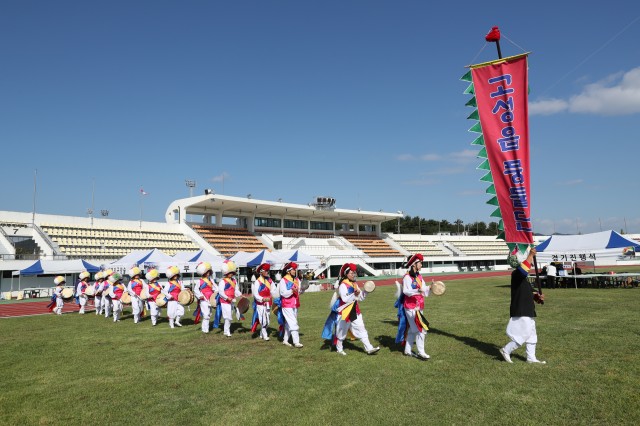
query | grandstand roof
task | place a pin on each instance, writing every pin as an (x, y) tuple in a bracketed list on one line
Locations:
[(211, 204)]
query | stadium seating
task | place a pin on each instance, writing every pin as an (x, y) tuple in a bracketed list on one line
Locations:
[(427, 248), (372, 245), (227, 240), (76, 241)]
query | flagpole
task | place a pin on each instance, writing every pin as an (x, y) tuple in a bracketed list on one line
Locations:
[(141, 195)]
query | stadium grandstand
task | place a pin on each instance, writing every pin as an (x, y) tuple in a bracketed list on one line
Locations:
[(225, 225)]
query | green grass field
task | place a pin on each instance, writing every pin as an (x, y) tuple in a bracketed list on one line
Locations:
[(75, 369)]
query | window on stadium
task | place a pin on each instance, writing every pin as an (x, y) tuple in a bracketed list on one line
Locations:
[(295, 224), (267, 222), (322, 226), (367, 228)]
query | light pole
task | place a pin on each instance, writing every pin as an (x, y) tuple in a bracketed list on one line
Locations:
[(191, 183), (400, 213)]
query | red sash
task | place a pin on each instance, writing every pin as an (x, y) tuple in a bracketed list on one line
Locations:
[(415, 301)]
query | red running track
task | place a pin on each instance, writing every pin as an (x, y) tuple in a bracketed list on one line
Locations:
[(22, 309)]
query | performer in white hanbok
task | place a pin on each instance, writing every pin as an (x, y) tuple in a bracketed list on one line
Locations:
[(413, 326), (203, 292), (135, 287), (172, 289), (106, 293), (229, 291), (81, 288), (97, 288), (289, 289), (57, 303), (348, 309), (116, 291), (155, 289), (521, 328), (264, 290)]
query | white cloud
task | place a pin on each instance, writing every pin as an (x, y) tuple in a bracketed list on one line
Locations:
[(430, 157), (548, 107), (221, 177), (422, 182), (404, 157), (465, 156), (617, 94)]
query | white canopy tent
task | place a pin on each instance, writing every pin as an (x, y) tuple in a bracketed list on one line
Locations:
[(603, 248)]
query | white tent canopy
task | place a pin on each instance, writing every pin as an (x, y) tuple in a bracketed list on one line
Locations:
[(143, 259), (306, 261), (600, 248), (58, 267)]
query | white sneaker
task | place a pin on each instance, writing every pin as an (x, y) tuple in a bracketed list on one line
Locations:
[(505, 356), (298, 345), (178, 324), (341, 353), (424, 356), (267, 338), (287, 344), (536, 361), (227, 334), (373, 350)]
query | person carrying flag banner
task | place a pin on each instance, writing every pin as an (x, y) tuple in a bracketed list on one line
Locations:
[(263, 290), (345, 312), (412, 324), (500, 90), (203, 292)]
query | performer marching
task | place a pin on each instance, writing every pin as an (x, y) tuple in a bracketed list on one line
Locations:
[(106, 293), (410, 306), (262, 289), (97, 287), (228, 292), (521, 328), (203, 292), (289, 289), (172, 289), (135, 287), (346, 311), (59, 281), (116, 291), (81, 288), (154, 291)]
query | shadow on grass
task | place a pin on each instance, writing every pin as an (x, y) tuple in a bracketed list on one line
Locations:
[(489, 349)]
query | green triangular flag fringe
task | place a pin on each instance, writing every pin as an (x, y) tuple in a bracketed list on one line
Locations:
[(500, 236), (484, 165), (467, 77), (501, 225), (482, 153), (478, 141), (474, 115), (476, 128), (511, 246), (472, 102), (470, 90), (486, 178), (493, 201), (491, 189), (522, 248), (496, 213)]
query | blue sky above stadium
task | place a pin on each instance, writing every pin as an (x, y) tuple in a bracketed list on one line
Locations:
[(358, 100)]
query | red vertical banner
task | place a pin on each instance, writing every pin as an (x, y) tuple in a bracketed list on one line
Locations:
[(501, 95)]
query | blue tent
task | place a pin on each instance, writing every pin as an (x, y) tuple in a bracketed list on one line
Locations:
[(55, 267), (591, 247), (266, 256)]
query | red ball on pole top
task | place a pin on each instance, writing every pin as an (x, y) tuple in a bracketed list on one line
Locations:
[(493, 35)]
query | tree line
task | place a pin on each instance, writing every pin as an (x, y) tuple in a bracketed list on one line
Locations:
[(418, 225)]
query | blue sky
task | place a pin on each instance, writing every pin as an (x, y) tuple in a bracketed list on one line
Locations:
[(358, 100)]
